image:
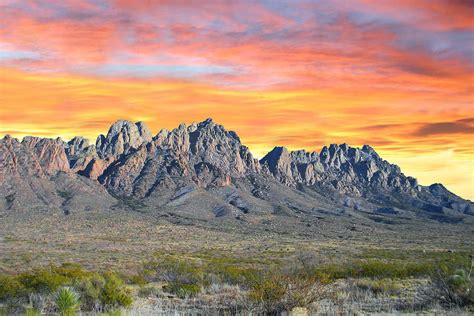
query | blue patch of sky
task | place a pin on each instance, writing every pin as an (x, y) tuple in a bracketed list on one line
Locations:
[(363, 18), (438, 44), (285, 9), (175, 71), (304, 11), (18, 54), (408, 37)]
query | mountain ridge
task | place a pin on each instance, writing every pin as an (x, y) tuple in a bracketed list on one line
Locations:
[(204, 165)]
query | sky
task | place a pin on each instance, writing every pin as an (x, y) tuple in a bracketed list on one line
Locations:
[(397, 75)]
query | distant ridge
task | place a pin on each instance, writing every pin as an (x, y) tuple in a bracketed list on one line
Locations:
[(204, 170)]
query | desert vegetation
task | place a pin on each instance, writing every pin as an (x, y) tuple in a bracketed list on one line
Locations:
[(64, 289), (378, 281)]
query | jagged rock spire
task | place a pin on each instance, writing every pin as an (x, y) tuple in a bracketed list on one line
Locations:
[(343, 168), (122, 136)]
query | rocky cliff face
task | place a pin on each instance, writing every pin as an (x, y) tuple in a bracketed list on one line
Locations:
[(33, 156), (36, 174), (129, 162), (204, 154), (348, 170), (122, 137), (79, 153)]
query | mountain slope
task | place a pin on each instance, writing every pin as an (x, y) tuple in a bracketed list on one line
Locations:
[(35, 174)]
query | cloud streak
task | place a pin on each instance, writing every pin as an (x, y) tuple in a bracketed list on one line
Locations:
[(464, 126)]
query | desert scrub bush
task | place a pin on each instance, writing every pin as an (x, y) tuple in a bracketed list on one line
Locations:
[(203, 270), (67, 301), (278, 292), (138, 279), (148, 290), (114, 293), (10, 287), (90, 290), (268, 293), (374, 269), (382, 269), (172, 269), (49, 279), (43, 280), (30, 311), (115, 312), (39, 302), (98, 292), (182, 290), (230, 273), (454, 288), (379, 286)]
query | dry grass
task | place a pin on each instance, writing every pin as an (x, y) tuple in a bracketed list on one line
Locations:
[(123, 240)]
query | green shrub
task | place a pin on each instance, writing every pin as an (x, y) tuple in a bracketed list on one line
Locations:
[(30, 311), (67, 301), (90, 290), (380, 286), (115, 312), (43, 280), (375, 269), (71, 271), (147, 291), (454, 288), (67, 195), (202, 271), (234, 274), (115, 294), (11, 287), (269, 293), (172, 269), (182, 290), (460, 280), (138, 279), (94, 289)]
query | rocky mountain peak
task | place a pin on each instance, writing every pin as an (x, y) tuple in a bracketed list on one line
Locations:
[(276, 158), (343, 168), (202, 153), (281, 165), (209, 129), (207, 121), (370, 153), (33, 156), (144, 131), (78, 143), (79, 153), (122, 136), (129, 162)]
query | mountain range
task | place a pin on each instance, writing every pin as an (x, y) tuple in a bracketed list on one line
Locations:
[(204, 172)]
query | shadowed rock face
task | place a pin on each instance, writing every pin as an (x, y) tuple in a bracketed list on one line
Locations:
[(343, 168), (204, 154), (204, 157), (33, 156), (35, 174), (79, 153), (122, 137)]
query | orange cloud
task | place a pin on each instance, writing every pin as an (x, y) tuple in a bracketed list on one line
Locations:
[(438, 15), (397, 75), (65, 105)]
